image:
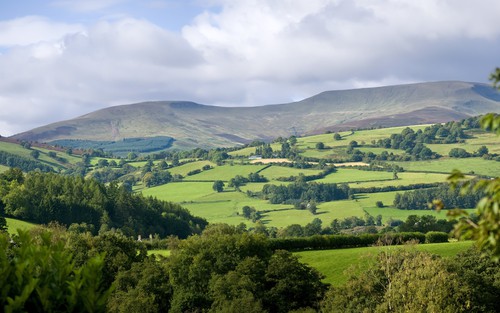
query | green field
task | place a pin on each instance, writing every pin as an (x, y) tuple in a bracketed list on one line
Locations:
[(13, 225), (347, 175), (338, 265), (3, 168), (273, 172), (225, 173), (188, 167), (446, 165)]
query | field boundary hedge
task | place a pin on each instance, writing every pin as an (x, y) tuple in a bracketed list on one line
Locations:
[(328, 242)]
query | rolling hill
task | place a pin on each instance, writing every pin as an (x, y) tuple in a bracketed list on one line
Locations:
[(197, 125)]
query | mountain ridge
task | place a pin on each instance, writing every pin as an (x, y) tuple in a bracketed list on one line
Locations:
[(199, 125)]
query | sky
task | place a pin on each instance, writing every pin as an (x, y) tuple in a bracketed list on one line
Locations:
[(60, 59)]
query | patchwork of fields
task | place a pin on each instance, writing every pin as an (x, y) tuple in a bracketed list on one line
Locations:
[(195, 190)]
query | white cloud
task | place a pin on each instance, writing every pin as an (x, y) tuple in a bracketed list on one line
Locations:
[(33, 29), (250, 52)]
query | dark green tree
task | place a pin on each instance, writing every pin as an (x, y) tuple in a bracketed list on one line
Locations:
[(218, 186)]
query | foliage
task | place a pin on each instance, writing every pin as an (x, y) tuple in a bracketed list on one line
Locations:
[(218, 186), (302, 191), (38, 274), (42, 198), (321, 242), (227, 268), (145, 287), (435, 237), (425, 224), (449, 197)]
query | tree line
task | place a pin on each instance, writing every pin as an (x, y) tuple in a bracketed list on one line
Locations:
[(420, 199), (45, 197), (300, 191)]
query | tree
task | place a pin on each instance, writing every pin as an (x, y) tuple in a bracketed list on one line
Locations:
[(35, 154), (218, 186), (458, 153), (337, 136), (482, 151)]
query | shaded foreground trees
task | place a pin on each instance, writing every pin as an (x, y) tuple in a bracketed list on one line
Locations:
[(226, 269)]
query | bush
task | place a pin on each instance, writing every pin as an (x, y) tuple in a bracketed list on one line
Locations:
[(379, 204), (435, 237)]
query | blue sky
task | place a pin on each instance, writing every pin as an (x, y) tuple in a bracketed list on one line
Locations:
[(63, 58)]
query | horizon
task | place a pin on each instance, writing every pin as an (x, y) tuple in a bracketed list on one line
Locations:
[(64, 58)]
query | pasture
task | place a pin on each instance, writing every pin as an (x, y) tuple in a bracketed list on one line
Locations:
[(446, 165), (338, 265), (14, 224)]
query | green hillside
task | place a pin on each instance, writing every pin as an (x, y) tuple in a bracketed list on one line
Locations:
[(194, 125)]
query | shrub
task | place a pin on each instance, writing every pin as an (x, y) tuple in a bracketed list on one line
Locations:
[(435, 237)]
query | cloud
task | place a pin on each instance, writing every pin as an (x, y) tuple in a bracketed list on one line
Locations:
[(33, 29), (248, 52)]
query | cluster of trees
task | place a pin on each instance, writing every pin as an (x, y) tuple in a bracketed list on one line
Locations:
[(462, 153), (304, 192), (46, 197), (425, 224), (450, 198), (412, 142), (288, 148), (25, 164), (240, 180)]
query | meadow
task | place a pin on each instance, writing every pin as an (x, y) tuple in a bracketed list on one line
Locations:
[(14, 224), (196, 193), (338, 265)]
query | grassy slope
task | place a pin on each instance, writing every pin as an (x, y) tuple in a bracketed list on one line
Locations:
[(446, 165), (13, 225), (338, 265)]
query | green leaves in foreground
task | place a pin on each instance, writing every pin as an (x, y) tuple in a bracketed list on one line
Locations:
[(487, 230), (39, 275)]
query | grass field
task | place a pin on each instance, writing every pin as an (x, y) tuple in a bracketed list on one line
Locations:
[(13, 225), (3, 168), (188, 167), (273, 172), (446, 165), (225, 172), (346, 175), (338, 265)]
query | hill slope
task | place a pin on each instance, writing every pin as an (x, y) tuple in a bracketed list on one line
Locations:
[(197, 125)]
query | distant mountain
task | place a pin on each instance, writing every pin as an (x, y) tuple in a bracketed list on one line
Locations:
[(196, 125)]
